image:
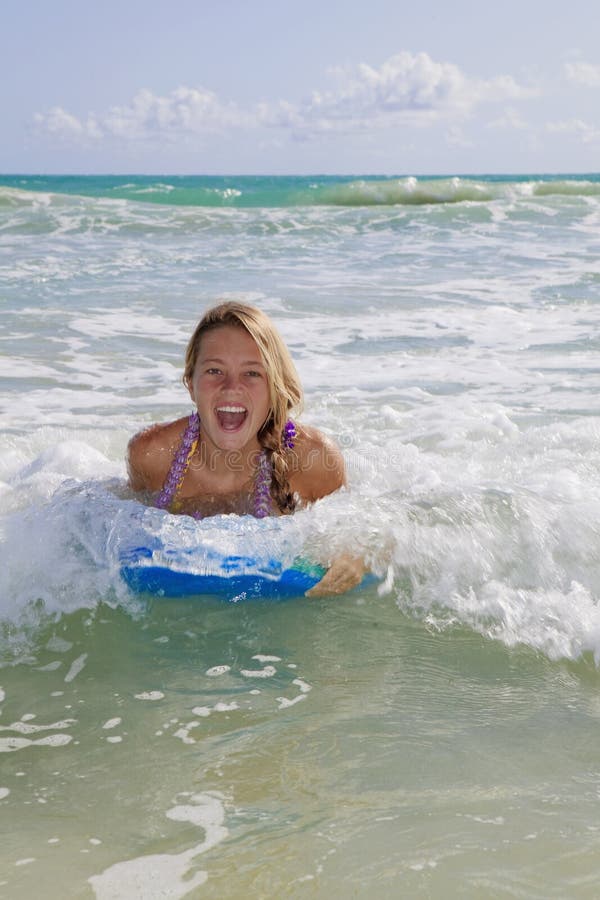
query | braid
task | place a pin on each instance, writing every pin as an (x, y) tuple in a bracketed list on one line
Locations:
[(272, 441)]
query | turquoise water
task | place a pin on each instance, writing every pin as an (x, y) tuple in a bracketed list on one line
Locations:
[(433, 734), (253, 191)]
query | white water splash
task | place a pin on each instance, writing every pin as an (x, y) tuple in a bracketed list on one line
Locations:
[(166, 875)]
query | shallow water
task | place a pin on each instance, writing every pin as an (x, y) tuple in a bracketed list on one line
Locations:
[(433, 734), (310, 748)]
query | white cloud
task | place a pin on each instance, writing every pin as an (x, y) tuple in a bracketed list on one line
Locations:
[(184, 111), (588, 134), (407, 89), (404, 84), (583, 73), (57, 121)]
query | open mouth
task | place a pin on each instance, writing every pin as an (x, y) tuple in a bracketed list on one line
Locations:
[(231, 418)]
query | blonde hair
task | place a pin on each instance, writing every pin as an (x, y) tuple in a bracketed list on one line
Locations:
[(285, 390)]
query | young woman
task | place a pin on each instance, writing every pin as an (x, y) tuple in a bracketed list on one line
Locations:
[(240, 452)]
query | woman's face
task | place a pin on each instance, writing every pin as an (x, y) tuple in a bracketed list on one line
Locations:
[(230, 388)]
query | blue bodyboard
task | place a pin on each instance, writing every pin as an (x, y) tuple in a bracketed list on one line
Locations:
[(232, 557)]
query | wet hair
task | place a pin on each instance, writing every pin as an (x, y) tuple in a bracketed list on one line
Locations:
[(285, 390)]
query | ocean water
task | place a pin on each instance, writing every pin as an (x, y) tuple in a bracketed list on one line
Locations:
[(434, 734)]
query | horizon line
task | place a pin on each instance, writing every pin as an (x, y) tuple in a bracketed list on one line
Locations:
[(116, 174)]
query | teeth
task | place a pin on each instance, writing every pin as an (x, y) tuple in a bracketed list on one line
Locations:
[(231, 409)]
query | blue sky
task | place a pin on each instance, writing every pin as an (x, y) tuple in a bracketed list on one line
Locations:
[(303, 86)]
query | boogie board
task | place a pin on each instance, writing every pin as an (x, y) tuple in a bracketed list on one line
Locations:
[(229, 556), (234, 578), (153, 552)]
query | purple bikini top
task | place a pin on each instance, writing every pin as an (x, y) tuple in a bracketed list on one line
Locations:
[(167, 498)]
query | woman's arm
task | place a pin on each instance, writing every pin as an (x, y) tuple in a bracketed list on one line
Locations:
[(321, 471), (149, 455), (316, 466), (137, 462), (345, 573)]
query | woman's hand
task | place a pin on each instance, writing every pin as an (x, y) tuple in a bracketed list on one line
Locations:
[(344, 573)]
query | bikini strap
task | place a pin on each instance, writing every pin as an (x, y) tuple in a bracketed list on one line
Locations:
[(180, 464), (167, 497)]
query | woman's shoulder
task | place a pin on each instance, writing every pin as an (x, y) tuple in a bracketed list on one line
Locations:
[(157, 434), (150, 453), (309, 441), (316, 464)]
